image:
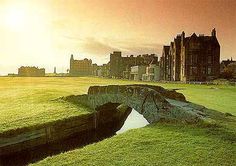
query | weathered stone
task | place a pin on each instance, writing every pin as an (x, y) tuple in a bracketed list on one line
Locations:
[(154, 102)]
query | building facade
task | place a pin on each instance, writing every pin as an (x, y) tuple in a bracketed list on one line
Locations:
[(80, 67), (120, 66), (225, 63), (27, 71), (137, 72), (193, 58), (152, 73), (164, 63)]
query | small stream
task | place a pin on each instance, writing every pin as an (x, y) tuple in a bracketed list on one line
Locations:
[(134, 120)]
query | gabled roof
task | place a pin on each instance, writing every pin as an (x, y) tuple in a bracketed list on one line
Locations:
[(201, 39)]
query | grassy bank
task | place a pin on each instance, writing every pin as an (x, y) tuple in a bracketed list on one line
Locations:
[(30, 101), (157, 144)]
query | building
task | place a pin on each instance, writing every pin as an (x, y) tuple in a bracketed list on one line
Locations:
[(137, 72), (80, 67), (105, 70), (232, 68), (193, 58), (164, 63), (225, 63), (27, 71), (120, 66), (152, 73), (175, 51)]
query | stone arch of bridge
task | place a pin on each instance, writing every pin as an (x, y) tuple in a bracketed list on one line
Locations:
[(145, 101)]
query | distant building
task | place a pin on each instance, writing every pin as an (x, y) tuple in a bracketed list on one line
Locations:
[(120, 66), (80, 67), (105, 70), (225, 63), (232, 68), (26, 71), (55, 70), (97, 70), (152, 73), (137, 72), (194, 58)]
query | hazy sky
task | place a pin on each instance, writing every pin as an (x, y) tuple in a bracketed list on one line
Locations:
[(45, 32)]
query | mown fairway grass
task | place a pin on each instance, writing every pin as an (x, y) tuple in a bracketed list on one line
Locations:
[(29, 101)]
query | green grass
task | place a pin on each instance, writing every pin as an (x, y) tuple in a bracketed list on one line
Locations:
[(157, 144), (29, 101)]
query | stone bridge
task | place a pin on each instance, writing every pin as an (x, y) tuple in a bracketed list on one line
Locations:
[(153, 102)]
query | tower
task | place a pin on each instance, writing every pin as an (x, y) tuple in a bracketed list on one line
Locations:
[(213, 32), (55, 70), (71, 63)]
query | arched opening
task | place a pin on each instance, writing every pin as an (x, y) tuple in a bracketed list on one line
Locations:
[(119, 117), (133, 121)]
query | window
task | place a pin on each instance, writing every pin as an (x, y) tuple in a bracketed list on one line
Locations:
[(194, 58), (204, 70), (209, 60), (209, 70)]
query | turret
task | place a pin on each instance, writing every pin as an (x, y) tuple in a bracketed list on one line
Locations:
[(213, 32), (183, 34), (71, 63), (182, 38), (72, 57)]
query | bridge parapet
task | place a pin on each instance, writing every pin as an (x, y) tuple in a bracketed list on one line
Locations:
[(153, 102)]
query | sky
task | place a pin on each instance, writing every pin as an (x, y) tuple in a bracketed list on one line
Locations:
[(45, 33)]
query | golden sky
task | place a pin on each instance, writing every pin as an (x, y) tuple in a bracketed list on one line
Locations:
[(45, 32)]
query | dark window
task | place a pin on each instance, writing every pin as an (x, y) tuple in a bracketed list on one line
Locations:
[(209, 70), (209, 60)]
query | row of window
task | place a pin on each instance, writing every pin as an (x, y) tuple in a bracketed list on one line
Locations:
[(194, 70), (194, 59)]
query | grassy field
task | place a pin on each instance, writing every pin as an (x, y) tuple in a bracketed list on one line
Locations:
[(30, 101)]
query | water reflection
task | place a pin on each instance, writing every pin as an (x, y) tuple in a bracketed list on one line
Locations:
[(134, 120)]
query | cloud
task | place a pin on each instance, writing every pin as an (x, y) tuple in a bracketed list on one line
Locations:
[(99, 49), (96, 47)]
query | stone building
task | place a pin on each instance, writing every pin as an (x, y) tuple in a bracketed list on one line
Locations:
[(80, 67), (136, 72), (105, 70), (175, 51), (193, 58), (152, 72), (225, 63), (27, 71), (164, 63), (120, 66)]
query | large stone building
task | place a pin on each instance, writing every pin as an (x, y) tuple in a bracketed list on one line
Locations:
[(80, 67), (193, 58), (27, 71), (120, 66), (164, 63)]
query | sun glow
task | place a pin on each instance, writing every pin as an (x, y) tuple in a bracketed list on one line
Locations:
[(16, 19)]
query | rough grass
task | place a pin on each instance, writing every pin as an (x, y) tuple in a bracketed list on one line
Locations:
[(157, 144), (30, 101)]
